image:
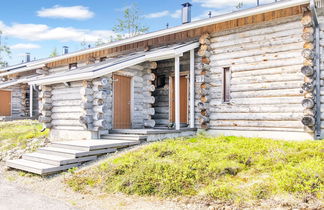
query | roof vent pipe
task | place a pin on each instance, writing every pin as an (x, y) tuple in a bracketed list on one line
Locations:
[(186, 13), (27, 57), (65, 50)]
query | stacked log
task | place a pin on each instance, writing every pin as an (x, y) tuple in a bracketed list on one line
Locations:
[(148, 89), (45, 107), (86, 118), (43, 71), (308, 71), (95, 100), (24, 100), (202, 79)]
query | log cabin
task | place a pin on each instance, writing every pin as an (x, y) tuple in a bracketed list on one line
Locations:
[(18, 100), (253, 72)]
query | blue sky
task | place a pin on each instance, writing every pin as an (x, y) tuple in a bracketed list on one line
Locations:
[(39, 26)]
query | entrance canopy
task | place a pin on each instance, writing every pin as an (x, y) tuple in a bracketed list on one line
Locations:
[(115, 64)]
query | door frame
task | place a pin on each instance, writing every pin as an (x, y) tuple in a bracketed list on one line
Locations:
[(171, 76), (131, 98), (8, 90)]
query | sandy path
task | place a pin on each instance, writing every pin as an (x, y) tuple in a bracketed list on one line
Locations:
[(15, 197)]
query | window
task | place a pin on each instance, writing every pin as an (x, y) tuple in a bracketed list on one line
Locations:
[(103, 59), (226, 84), (73, 66)]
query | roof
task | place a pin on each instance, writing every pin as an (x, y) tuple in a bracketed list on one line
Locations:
[(114, 64), (196, 24)]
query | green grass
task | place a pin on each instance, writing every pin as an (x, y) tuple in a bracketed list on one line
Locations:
[(16, 133), (222, 168)]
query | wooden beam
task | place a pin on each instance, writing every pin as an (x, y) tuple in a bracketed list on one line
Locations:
[(177, 92), (192, 88)]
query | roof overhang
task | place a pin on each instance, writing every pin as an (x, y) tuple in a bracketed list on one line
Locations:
[(106, 68), (196, 24), (22, 69)]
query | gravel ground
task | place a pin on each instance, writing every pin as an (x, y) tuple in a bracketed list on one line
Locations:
[(15, 197), (20, 190)]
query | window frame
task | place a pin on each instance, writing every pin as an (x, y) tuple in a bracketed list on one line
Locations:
[(226, 85), (73, 66)]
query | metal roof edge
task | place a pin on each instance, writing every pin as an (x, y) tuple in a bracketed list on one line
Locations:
[(201, 23)]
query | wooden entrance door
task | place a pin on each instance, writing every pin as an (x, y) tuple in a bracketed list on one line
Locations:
[(5, 103), (183, 100), (122, 102)]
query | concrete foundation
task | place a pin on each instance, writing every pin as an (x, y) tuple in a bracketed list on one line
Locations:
[(280, 135), (66, 135)]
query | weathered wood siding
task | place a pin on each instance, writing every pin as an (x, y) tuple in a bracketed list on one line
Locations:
[(66, 102), (265, 86), (321, 20), (18, 101)]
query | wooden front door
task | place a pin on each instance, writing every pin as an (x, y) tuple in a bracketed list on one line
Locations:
[(122, 102), (183, 100), (5, 103)]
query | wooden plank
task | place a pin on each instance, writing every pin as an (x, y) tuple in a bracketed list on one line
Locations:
[(183, 100), (122, 102), (5, 103)]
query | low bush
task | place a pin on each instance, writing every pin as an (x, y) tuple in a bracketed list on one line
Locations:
[(223, 168)]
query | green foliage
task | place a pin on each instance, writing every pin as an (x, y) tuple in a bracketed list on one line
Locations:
[(224, 168), (54, 53), (16, 133), (4, 52), (130, 24)]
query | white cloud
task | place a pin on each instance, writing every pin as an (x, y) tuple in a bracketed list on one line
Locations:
[(157, 14), (228, 3), (24, 46), (176, 14), (165, 13), (74, 12), (39, 32)]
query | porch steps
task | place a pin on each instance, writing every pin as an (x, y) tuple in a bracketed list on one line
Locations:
[(147, 132), (127, 137), (55, 159), (60, 156), (37, 167)]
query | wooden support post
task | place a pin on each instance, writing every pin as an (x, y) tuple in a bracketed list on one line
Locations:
[(31, 100), (192, 88), (177, 92)]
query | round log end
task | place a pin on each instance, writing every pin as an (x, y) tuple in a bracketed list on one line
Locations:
[(308, 120)]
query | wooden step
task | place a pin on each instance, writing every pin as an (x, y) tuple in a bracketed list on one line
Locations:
[(149, 131), (55, 159), (128, 137), (36, 167), (90, 145), (70, 153)]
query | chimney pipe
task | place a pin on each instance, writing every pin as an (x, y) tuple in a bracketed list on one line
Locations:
[(186, 13), (65, 50), (27, 57)]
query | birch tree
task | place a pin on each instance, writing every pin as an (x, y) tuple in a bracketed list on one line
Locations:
[(4, 52), (130, 24)]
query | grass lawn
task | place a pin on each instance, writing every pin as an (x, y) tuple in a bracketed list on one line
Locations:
[(232, 169), (15, 134)]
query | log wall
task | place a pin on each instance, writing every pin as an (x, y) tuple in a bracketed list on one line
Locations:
[(19, 106), (321, 20), (265, 87)]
